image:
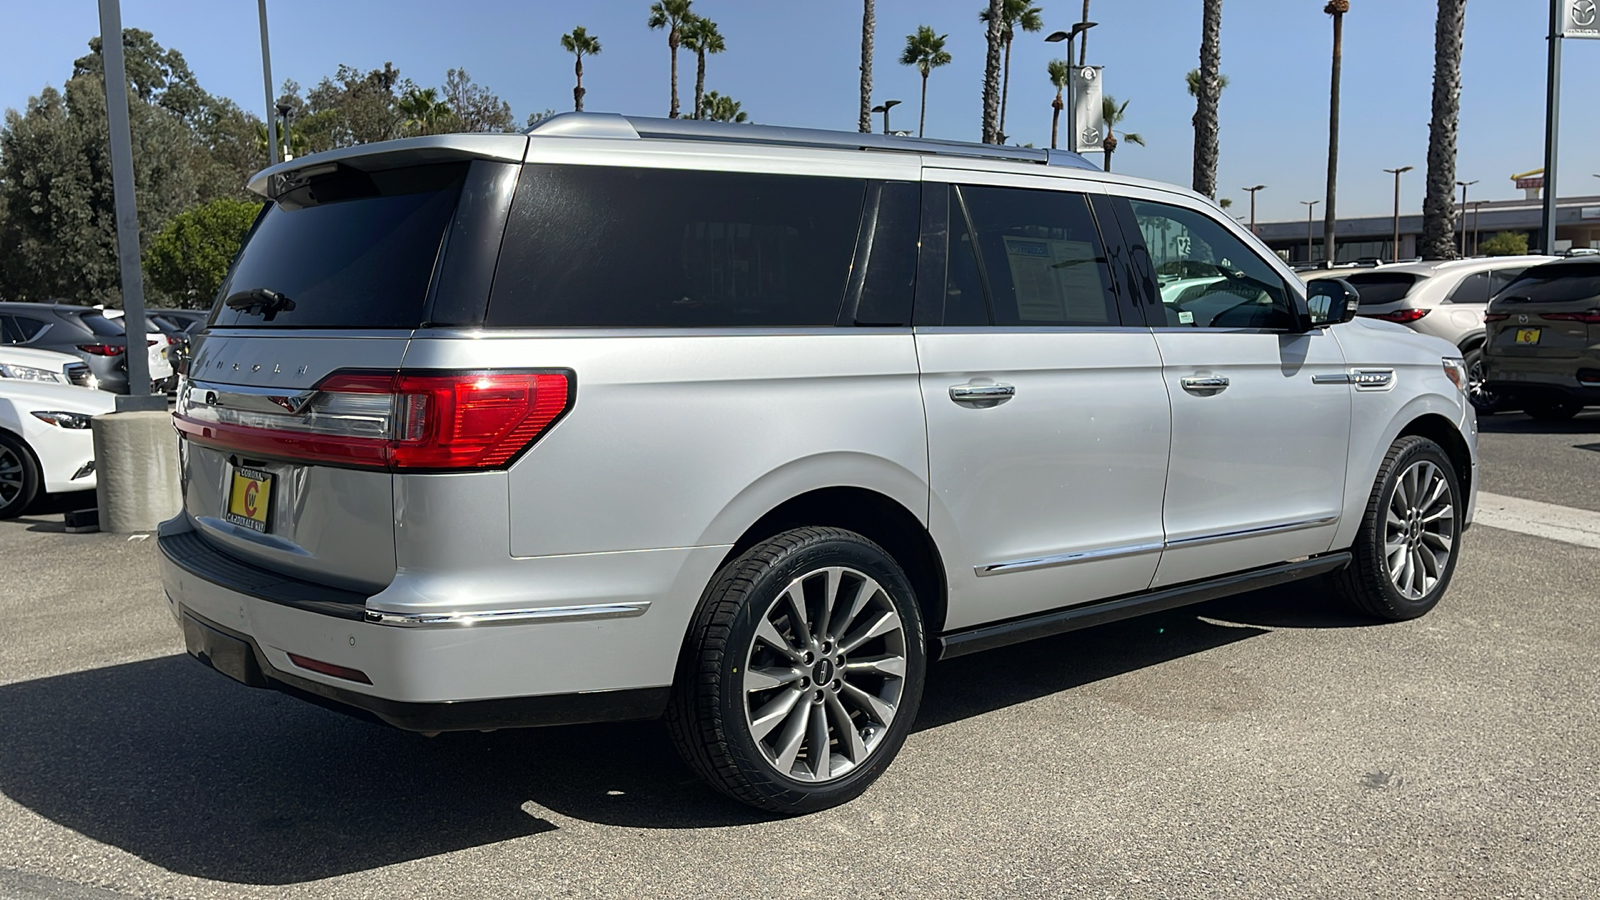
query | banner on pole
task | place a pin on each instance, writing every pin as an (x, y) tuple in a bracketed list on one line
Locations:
[(1580, 18), (1088, 113)]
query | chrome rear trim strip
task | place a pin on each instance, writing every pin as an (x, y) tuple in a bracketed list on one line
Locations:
[(592, 612), (1067, 559)]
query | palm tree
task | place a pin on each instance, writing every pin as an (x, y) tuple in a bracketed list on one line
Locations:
[(1191, 80), (422, 112), (925, 50), (1337, 9), (718, 108), (1438, 207), (1083, 48), (700, 36), (1205, 85), (1225, 202), (1014, 14), (1060, 74), (991, 74), (1113, 115), (671, 15), (869, 24), (579, 42)]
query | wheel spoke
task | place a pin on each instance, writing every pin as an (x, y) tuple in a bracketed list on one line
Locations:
[(1402, 577), (884, 624), (817, 744), (880, 711), (797, 613), (765, 679), (864, 593), (877, 665), (768, 634), (1438, 541), (849, 737), (1394, 520), (794, 734), (829, 599), (775, 711)]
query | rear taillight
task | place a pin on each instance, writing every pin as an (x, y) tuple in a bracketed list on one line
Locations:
[(1403, 316), (1496, 317), (399, 421), (101, 349), (172, 341), (1588, 317)]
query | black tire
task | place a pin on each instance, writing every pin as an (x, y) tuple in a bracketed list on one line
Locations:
[(1552, 410), (19, 476), (1484, 399), (711, 714), (1368, 583)]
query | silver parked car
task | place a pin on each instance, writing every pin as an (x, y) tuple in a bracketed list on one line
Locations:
[(743, 426)]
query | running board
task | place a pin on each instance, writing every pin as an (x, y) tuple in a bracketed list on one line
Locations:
[(1072, 618)]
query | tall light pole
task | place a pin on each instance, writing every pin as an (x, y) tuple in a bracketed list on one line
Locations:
[(1252, 192), (1069, 36), (1476, 206), (1311, 206), (884, 108), (1397, 173), (266, 80), (1464, 185)]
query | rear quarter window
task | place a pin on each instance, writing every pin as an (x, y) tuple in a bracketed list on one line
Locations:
[(627, 247)]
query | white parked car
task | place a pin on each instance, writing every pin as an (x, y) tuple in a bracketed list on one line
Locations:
[(45, 442), (46, 366)]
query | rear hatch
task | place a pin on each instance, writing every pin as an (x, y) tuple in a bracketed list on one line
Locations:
[(291, 414), (1551, 312), (1383, 295)]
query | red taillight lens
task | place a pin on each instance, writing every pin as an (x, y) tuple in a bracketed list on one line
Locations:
[(408, 420), (1588, 317), (1496, 317), (101, 349), (1402, 316)]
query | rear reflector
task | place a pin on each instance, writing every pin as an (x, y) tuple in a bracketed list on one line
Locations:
[(1588, 317), (411, 421), (329, 669), (1403, 316)]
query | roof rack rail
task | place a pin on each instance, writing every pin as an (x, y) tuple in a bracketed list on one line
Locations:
[(613, 125)]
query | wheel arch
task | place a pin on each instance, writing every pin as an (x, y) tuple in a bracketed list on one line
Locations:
[(1444, 432)]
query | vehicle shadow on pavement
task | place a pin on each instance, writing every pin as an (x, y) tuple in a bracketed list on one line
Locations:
[(204, 777)]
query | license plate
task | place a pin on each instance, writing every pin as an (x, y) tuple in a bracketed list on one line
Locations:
[(1527, 335), (249, 499)]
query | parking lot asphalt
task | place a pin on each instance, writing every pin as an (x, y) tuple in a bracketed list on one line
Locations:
[(1270, 745)]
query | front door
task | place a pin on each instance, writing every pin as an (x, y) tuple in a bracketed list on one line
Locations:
[(1260, 407)]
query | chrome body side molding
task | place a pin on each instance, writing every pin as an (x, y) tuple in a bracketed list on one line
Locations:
[(1067, 559)]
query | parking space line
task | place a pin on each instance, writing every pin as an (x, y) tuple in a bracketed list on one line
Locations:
[(1546, 520)]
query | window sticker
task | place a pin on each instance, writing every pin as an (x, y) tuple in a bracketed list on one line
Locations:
[(1055, 280)]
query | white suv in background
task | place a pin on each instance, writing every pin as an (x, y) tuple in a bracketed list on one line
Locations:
[(1445, 298), (742, 426)]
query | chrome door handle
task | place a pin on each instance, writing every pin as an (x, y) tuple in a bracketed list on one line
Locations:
[(1205, 385), (978, 393)]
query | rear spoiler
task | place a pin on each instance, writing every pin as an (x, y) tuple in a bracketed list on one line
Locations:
[(396, 155)]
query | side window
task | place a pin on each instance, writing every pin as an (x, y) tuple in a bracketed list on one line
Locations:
[(8, 331), (1499, 278), (18, 329), (1473, 289), (1207, 277), (632, 247), (1041, 256), (891, 267), (964, 302)]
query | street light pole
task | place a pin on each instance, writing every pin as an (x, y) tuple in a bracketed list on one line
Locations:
[(266, 79), (1311, 206), (884, 108), (1477, 205), (1397, 173), (1464, 185), (1552, 131), (1252, 192)]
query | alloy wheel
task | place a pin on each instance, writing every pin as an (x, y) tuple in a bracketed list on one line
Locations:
[(11, 476), (824, 675), (1419, 529)]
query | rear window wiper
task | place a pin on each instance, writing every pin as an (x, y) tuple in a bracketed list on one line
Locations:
[(266, 303)]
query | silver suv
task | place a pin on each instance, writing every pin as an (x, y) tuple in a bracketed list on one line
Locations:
[(741, 427)]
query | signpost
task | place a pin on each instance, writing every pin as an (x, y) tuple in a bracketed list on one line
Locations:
[(1088, 126), (1568, 19)]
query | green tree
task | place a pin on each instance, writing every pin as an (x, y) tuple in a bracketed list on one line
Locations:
[(925, 50), (1506, 243), (1205, 85), (671, 15), (718, 108), (1014, 14), (1114, 115), (580, 43), (700, 36), (475, 107), (422, 112), (188, 258), (352, 107), (1060, 75), (1439, 202)]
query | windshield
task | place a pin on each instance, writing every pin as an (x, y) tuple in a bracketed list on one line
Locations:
[(346, 249), (1378, 288)]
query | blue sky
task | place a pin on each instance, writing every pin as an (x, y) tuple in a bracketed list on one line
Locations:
[(795, 63)]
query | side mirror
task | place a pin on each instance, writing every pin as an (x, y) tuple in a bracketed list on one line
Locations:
[(1331, 301)]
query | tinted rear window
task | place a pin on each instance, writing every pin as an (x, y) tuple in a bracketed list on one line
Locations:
[(101, 325), (1558, 283), (350, 249), (624, 247), (1378, 288)]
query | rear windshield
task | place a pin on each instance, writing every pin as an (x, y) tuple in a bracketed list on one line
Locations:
[(1554, 283), (1378, 288), (627, 247), (101, 325), (346, 249)]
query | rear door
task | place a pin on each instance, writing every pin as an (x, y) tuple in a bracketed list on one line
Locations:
[(1552, 312), (1047, 417)]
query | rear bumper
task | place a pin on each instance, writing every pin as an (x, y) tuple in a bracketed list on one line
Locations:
[(591, 638), (1546, 390)]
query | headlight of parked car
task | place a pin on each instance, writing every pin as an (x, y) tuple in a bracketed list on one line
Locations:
[(1455, 369), (73, 420), (29, 373)]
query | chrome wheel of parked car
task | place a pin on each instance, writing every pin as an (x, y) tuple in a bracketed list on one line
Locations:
[(1420, 529), (824, 674)]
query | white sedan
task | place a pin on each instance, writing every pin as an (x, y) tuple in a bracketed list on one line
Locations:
[(45, 442), (46, 366)]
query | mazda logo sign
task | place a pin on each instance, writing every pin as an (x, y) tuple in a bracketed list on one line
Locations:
[(1584, 13)]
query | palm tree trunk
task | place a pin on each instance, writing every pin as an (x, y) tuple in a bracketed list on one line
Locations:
[(1083, 48), (991, 74), (699, 82), (1331, 216), (672, 45), (577, 92), (1439, 206), (1110, 147), (1205, 115), (1005, 83), (1055, 118), (922, 120), (869, 24)]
